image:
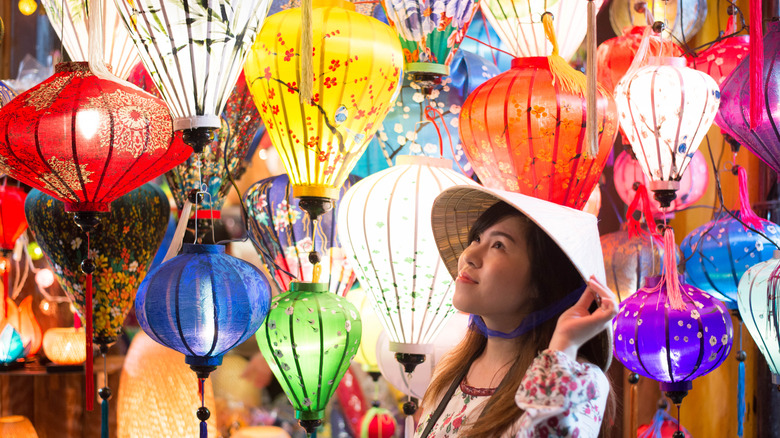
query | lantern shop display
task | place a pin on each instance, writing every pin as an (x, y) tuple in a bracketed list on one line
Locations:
[(65, 345), (11, 346), (683, 18), (721, 58)]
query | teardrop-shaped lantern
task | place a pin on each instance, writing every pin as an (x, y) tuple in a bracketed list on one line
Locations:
[(308, 340), (523, 133), (759, 291), (721, 58), (665, 110)]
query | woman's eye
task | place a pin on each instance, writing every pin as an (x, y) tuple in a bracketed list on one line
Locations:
[(498, 244)]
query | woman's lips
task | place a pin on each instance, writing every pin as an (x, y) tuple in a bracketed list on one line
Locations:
[(465, 278)]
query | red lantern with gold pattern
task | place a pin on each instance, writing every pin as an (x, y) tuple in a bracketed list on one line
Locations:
[(524, 133)]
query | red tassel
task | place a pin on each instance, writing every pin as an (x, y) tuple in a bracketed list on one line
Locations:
[(756, 64), (670, 277), (747, 215), (634, 227), (5, 288)]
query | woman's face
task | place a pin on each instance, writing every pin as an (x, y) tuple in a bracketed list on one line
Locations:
[(494, 276)]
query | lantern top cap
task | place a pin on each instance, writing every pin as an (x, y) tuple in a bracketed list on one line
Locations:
[(576, 232), (299, 286), (73, 67), (343, 4), (194, 248)]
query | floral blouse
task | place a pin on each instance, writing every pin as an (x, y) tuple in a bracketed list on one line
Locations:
[(560, 397)]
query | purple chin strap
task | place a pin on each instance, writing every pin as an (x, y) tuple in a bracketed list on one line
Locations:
[(531, 321)]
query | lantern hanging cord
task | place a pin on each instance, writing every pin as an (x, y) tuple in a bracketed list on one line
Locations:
[(487, 33), (88, 267), (203, 412), (105, 396), (490, 46)]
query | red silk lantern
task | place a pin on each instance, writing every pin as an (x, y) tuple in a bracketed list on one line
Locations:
[(521, 132), (378, 423), (12, 219), (721, 58)]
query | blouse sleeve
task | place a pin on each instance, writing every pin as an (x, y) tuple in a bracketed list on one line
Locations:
[(561, 397)]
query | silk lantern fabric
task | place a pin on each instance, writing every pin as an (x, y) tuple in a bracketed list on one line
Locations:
[(629, 261), (683, 18), (757, 302), (86, 140), (669, 345), (286, 235), (719, 252), (733, 116), (721, 58), (122, 246), (354, 86), (524, 134), (202, 303), (12, 220)]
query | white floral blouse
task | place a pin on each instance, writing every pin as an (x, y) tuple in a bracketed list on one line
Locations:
[(560, 397)]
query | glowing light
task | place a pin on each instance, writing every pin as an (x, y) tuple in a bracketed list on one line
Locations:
[(44, 278), (28, 7)]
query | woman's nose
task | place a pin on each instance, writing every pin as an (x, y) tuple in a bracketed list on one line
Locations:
[(471, 255)]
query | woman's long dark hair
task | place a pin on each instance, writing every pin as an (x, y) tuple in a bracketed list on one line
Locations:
[(553, 276)]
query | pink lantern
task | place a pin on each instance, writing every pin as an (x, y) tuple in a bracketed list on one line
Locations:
[(693, 183), (720, 59)]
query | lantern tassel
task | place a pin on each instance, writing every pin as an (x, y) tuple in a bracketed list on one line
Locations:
[(104, 418), (203, 412), (591, 119), (741, 399), (565, 75), (669, 276), (307, 46), (756, 64), (409, 427), (634, 226), (747, 215), (654, 431)]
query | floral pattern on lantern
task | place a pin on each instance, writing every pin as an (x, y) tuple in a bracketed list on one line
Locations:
[(283, 233), (521, 133), (354, 86), (721, 58)]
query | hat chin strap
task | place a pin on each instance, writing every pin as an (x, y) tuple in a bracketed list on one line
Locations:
[(531, 321)]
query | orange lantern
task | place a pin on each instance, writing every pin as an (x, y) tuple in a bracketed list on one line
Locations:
[(65, 345), (29, 329), (523, 132)]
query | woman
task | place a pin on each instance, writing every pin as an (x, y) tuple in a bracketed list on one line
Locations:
[(532, 363)]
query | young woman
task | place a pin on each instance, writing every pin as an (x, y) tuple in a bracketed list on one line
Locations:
[(531, 274)]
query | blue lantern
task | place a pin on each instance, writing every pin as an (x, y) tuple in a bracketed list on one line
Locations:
[(720, 251), (481, 30)]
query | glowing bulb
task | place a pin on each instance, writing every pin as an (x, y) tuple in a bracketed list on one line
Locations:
[(27, 7), (3, 265), (72, 309), (35, 251), (47, 307), (44, 278), (88, 122)]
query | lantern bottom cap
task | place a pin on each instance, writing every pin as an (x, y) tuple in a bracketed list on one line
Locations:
[(427, 67), (315, 415), (313, 191)]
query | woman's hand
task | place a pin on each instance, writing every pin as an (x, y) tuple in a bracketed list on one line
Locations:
[(577, 325)]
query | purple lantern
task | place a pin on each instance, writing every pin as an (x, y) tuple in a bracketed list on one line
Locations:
[(734, 114), (672, 346)]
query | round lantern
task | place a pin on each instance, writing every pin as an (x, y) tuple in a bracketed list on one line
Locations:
[(518, 25), (627, 174), (384, 223), (286, 236), (17, 426), (629, 261), (734, 114), (226, 153), (309, 339), (70, 21), (665, 110), (719, 252), (721, 58), (194, 54), (758, 302), (672, 346), (12, 220), (65, 345), (430, 33), (378, 423), (522, 133), (320, 141), (683, 18), (86, 140)]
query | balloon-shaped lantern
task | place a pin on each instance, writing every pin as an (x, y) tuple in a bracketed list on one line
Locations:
[(721, 58), (384, 223), (665, 109), (430, 33), (734, 114), (524, 131), (759, 291), (286, 236), (203, 303), (629, 261), (320, 141), (309, 339), (683, 18), (518, 25), (378, 423), (70, 20), (194, 51)]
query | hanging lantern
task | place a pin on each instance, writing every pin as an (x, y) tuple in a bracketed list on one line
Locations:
[(12, 220), (663, 426), (309, 339), (366, 355), (627, 175), (666, 109), (378, 423), (286, 236), (321, 140), (384, 223), (7, 94), (683, 18), (734, 114), (240, 122), (721, 58), (430, 33), (629, 261), (194, 54), (17, 426), (28, 7), (29, 328), (11, 346), (70, 20), (522, 133), (65, 345), (123, 247), (480, 31), (519, 25)]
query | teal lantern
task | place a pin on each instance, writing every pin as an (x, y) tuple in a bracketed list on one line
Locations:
[(11, 347), (309, 339), (758, 301)]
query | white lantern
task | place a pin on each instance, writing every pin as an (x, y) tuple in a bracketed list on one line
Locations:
[(385, 228), (194, 52), (665, 110), (758, 300), (518, 24)]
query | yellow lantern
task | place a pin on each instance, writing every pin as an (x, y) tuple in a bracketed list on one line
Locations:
[(28, 7), (17, 426), (357, 71), (65, 345)]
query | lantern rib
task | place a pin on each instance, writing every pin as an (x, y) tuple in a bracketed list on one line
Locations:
[(402, 336), (531, 153), (322, 351), (292, 325), (676, 144), (693, 374), (50, 187), (74, 149), (656, 128), (636, 343), (557, 145), (722, 351), (772, 317), (216, 309), (188, 19), (177, 313), (636, 132), (110, 153), (413, 292), (667, 338), (287, 384)]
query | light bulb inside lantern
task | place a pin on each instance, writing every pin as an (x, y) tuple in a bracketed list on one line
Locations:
[(44, 278), (47, 307), (35, 251), (88, 122), (3, 265), (28, 7)]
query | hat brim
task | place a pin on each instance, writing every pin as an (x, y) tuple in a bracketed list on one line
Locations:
[(456, 209)]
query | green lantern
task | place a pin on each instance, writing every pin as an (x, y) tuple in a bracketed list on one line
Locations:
[(309, 339)]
